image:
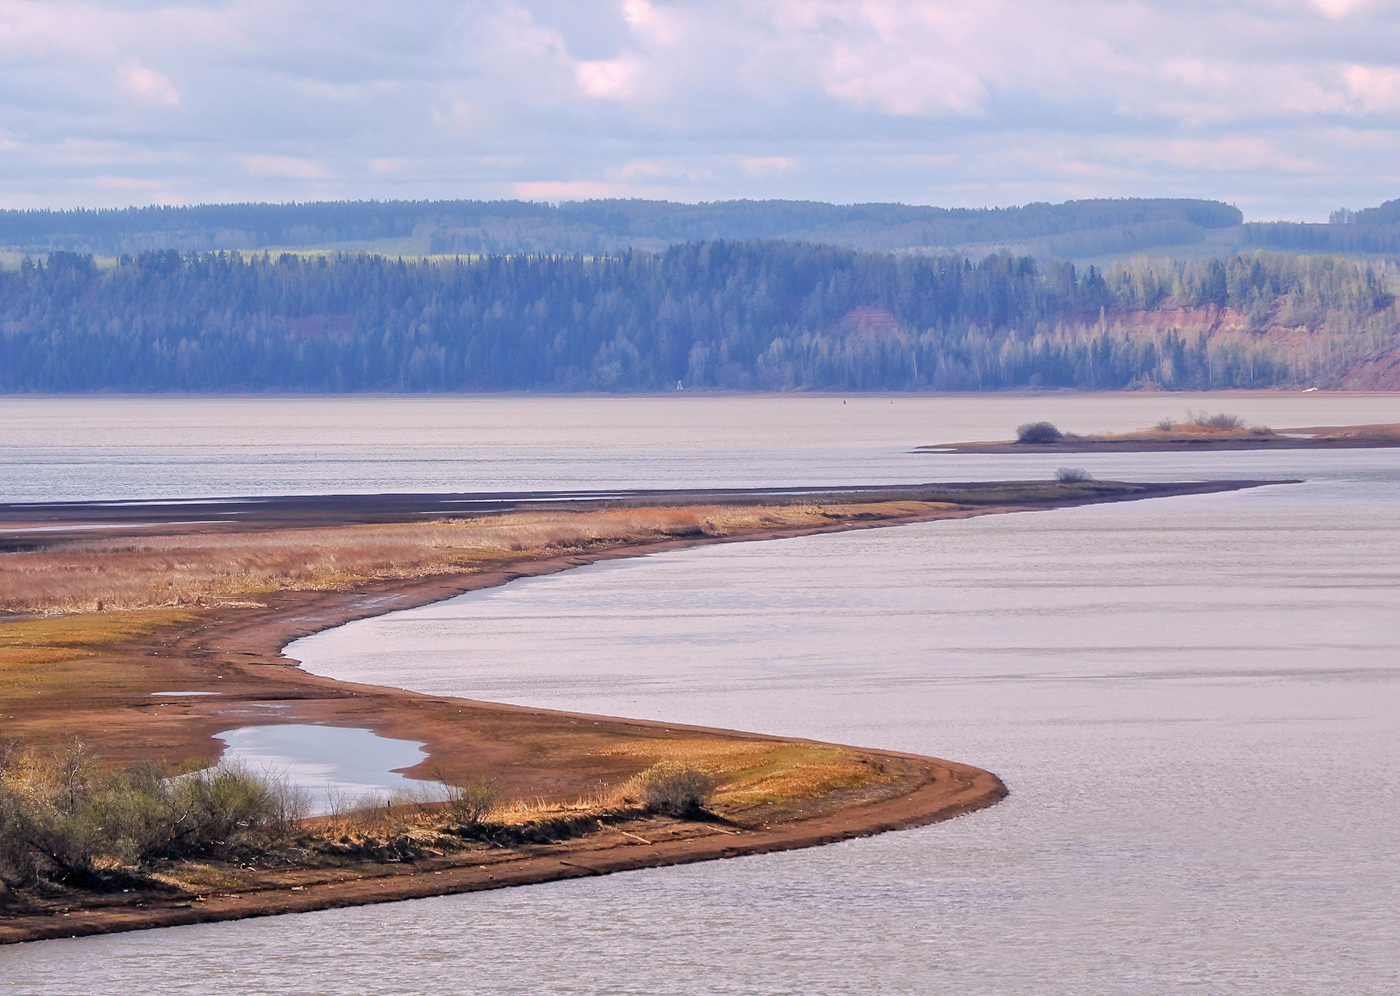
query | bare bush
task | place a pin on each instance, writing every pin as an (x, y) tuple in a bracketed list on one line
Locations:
[(470, 804), (1218, 420), (218, 811), (1073, 475), (673, 788), (66, 817), (1038, 432)]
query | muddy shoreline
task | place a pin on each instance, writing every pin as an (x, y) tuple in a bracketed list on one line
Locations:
[(237, 652)]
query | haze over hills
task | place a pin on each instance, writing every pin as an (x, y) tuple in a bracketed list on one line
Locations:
[(1072, 230)]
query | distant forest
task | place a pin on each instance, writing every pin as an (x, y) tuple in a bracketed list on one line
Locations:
[(731, 315), (1374, 231), (606, 227)]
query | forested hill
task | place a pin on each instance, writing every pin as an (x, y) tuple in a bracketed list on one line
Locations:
[(1070, 230), (1373, 231), (719, 315)]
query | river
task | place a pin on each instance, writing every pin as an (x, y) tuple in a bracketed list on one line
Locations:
[(1195, 702)]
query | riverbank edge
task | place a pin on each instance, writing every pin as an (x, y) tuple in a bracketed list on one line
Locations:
[(948, 790), (252, 647)]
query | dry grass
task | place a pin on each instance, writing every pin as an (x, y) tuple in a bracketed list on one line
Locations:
[(406, 810), (752, 772), (32, 649), (79, 635), (746, 773), (232, 568), (518, 812), (69, 821), (1198, 426), (196, 877)]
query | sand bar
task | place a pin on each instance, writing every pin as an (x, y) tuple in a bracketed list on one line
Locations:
[(110, 697)]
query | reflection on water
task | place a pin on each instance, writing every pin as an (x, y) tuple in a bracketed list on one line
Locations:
[(332, 765)]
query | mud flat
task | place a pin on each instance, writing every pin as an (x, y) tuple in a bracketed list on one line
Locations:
[(104, 674)]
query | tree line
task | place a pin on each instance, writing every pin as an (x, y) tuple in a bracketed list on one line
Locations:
[(727, 315), (609, 226), (1372, 231)]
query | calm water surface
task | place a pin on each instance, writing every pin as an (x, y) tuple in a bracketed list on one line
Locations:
[(333, 767), (55, 449), (1195, 701)]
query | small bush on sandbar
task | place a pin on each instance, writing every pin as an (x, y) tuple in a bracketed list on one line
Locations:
[(470, 804), (1038, 432), (673, 788), (66, 817), (1218, 420), (1073, 475)]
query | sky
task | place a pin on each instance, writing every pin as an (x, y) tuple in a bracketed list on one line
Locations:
[(1286, 108)]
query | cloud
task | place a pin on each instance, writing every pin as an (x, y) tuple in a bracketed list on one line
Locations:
[(608, 78), (767, 165), (1223, 154), (147, 84), (127, 183), (1340, 8), (1374, 89), (1292, 106), (569, 190), (283, 166)]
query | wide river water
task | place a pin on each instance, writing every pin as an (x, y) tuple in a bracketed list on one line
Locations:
[(1195, 702)]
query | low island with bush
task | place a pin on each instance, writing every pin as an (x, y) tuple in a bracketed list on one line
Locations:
[(1197, 431)]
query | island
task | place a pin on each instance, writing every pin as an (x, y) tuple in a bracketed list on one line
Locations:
[(135, 633), (1198, 431)]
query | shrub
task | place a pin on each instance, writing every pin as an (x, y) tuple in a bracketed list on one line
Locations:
[(470, 804), (64, 816), (1073, 475), (1220, 420), (673, 788), (1038, 432), (214, 812)]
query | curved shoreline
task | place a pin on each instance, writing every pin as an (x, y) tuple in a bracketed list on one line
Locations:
[(947, 790), (238, 652)]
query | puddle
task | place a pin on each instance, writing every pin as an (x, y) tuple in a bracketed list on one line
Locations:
[(333, 765), (183, 694)]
